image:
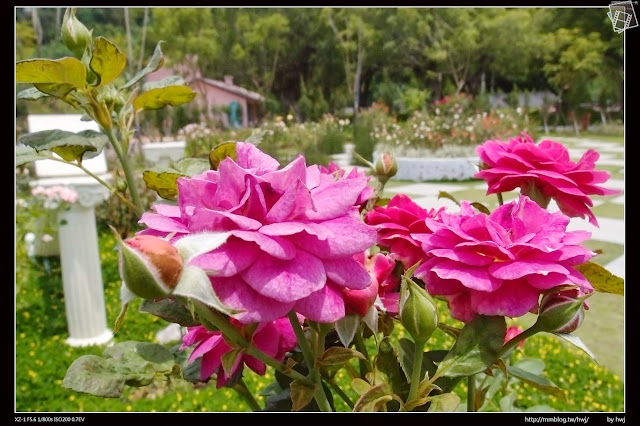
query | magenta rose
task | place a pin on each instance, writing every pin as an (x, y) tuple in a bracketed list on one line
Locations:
[(396, 222), (383, 283), (294, 232), (338, 173), (274, 339), (544, 171), (499, 264)]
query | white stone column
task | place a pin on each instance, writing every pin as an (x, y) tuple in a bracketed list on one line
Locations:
[(80, 262)]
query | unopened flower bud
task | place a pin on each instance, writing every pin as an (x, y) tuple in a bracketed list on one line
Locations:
[(74, 34), (561, 312), (359, 301), (386, 167), (150, 266), (418, 312)]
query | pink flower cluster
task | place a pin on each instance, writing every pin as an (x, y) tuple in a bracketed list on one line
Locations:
[(499, 264), (294, 232), (544, 171), (56, 193), (274, 339)]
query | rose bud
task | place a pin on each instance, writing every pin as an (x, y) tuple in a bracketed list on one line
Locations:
[(150, 266), (561, 312), (359, 301), (418, 312), (74, 34), (386, 167), (512, 332)]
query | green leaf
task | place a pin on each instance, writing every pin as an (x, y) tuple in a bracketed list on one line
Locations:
[(444, 194), (387, 369), (575, 340), (54, 77), (532, 365), (477, 347), (229, 360), (68, 145), (480, 207), (301, 394), (31, 94), (192, 166), (371, 319), (346, 328), (163, 180), (106, 61), (125, 363), (538, 382), (601, 279), (173, 80), (169, 310), (336, 356), (26, 154), (156, 61), (406, 349), (256, 138), (374, 398), (220, 152), (161, 97), (360, 386), (507, 401), (195, 284), (444, 402)]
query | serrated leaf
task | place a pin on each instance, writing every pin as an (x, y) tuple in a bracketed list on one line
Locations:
[(163, 181), (26, 154), (444, 194), (195, 284), (374, 398), (538, 382), (54, 77), (192, 166), (576, 341), (387, 369), (156, 61), (360, 386), (601, 279), (446, 402), (346, 328), (68, 145), (337, 356), (477, 347), (107, 61), (220, 152), (161, 97), (169, 310), (194, 245), (125, 363), (480, 207), (301, 394), (31, 94), (173, 80)]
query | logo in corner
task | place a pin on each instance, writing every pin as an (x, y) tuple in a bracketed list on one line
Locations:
[(622, 15)]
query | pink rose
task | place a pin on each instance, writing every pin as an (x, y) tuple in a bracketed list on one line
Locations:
[(396, 222), (294, 232), (513, 331), (544, 171), (274, 339), (499, 264)]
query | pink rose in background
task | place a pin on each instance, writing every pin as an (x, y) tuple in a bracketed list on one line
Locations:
[(274, 339), (396, 222), (544, 171), (383, 284), (499, 264), (513, 331), (294, 232)]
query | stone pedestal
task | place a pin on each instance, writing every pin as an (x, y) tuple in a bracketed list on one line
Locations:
[(80, 261)]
